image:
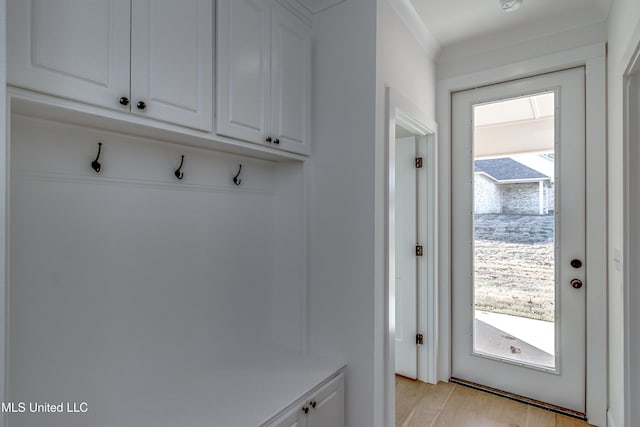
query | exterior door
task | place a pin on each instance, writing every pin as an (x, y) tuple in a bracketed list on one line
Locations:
[(406, 220), (519, 284)]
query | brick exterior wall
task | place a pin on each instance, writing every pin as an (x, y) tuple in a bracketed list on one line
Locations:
[(521, 199), (488, 197), (512, 199)]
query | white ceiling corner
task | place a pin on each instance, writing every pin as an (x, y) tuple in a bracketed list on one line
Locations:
[(316, 6), (412, 19)]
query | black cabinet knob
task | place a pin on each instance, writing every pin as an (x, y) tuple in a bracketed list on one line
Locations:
[(276, 141), (124, 100), (141, 105), (269, 139), (313, 404), (305, 409)]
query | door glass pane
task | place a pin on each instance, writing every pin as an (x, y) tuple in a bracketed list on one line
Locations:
[(514, 229)]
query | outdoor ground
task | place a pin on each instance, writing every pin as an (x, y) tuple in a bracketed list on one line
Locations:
[(514, 269)]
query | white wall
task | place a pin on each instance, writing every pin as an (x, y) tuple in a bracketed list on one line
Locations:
[(510, 47), (403, 64), (624, 19), (341, 261), (3, 165), (129, 288), (346, 182), (407, 67)]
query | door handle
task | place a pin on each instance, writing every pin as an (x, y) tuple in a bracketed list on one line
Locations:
[(576, 283)]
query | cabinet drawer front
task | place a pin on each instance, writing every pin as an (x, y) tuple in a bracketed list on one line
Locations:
[(243, 69), (172, 61), (77, 49)]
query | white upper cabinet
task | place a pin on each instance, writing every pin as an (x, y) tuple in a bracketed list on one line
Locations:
[(263, 74), (290, 80), (172, 61), (152, 57), (243, 69), (75, 49)]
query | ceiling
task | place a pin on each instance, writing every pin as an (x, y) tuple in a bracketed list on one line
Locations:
[(452, 21), (534, 107)]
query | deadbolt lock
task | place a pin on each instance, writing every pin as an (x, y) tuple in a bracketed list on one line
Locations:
[(576, 263)]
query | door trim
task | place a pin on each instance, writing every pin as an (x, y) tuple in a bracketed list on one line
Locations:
[(631, 243), (593, 57), (401, 111)]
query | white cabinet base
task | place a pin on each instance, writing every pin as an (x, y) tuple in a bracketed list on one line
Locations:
[(323, 407)]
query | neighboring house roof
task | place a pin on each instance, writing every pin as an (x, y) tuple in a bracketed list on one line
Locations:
[(506, 169)]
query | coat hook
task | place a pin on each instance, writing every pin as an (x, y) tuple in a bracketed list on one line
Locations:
[(95, 165), (236, 179), (178, 172)]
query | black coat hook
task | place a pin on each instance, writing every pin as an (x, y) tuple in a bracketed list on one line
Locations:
[(178, 171), (95, 165), (236, 179)]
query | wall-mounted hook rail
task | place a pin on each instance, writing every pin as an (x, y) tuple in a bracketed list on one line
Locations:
[(95, 165), (236, 179), (178, 173)]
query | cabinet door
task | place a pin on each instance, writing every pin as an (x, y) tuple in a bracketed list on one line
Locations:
[(172, 61), (294, 418), (243, 69), (329, 405), (77, 49), (290, 80)]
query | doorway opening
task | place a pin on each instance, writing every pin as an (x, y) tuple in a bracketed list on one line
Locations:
[(411, 246), (410, 237)]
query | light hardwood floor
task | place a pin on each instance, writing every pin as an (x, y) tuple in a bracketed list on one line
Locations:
[(426, 405)]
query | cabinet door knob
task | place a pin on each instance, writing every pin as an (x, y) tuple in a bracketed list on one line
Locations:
[(124, 100), (276, 141), (141, 105), (305, 409), (269, 139), (313, 404)]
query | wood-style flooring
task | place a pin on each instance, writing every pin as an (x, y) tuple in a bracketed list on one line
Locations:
[(426, 405)]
